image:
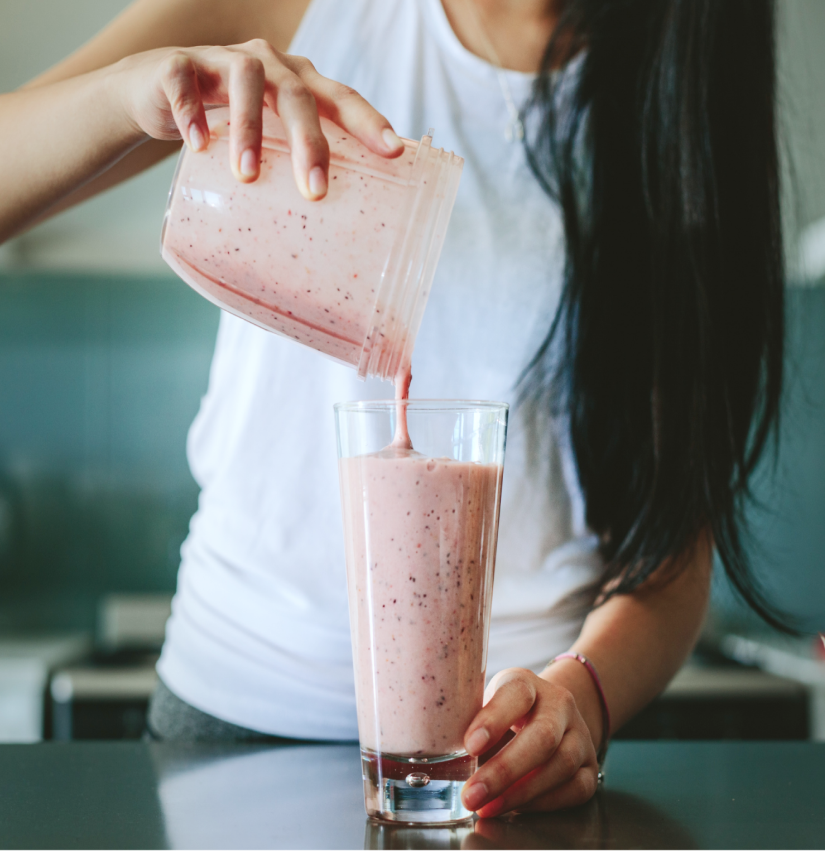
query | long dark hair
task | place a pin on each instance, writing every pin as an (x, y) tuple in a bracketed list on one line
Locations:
[(666, 352)]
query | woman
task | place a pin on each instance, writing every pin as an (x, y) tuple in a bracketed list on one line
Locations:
[(619, 274)]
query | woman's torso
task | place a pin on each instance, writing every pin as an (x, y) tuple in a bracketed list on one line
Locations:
[(259, 634)]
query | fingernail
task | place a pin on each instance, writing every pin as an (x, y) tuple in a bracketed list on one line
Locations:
[(249, 163), (196, 140), (317, 182), (478, 741), (474, 796), (391, 140)]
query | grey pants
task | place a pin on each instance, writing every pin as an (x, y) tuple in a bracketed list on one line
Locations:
[(171, 719)]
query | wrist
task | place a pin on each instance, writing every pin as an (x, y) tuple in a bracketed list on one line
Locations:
[(571, 674), (115, 84)]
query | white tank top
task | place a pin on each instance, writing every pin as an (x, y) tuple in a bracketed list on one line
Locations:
[(259, 633)]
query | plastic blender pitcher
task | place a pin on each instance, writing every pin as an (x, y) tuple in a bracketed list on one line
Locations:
[(348, 275)]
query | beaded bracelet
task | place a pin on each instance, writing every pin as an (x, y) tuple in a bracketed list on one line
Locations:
[(591, 669)]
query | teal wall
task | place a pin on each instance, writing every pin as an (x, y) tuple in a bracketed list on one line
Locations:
[(101, 376), (99, 380)]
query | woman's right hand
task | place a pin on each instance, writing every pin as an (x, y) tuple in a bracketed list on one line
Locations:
[(163, 93)]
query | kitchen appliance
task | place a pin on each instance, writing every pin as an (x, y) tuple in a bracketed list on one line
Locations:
[(26, 663), (348, 275), (106, 696)]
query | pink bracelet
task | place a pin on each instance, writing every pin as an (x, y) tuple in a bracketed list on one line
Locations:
[(594, 675)]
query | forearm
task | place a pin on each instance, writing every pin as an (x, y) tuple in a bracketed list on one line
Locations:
[(68, 122), (57, 138), (637, 642)]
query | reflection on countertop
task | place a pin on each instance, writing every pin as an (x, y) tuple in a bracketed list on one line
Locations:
[(155, 795), (610, 820), (320, 786), (261, 797)]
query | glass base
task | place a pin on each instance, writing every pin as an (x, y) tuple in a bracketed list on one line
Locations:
[(416, 791), (385, 836)]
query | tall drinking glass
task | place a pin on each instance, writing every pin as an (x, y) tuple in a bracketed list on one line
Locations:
[(420, 528)]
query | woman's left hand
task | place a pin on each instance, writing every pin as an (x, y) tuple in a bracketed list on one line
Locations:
[(549, 764)]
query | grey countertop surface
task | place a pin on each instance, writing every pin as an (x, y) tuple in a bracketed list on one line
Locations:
[(149, 795)]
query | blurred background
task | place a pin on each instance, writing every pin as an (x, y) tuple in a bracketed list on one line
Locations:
[(104, 355)]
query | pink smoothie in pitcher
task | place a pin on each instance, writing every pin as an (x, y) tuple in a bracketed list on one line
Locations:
[(425, 529), (348, 275)]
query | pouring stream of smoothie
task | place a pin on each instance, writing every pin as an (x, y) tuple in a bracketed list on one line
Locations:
[(401, 440)]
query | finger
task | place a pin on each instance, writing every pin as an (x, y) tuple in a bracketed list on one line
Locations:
[(541, 745), (513, 697), (179, 78), (576, 791), (348, 109), (270, 81), (570, 756), (309, 146), (247, 83)]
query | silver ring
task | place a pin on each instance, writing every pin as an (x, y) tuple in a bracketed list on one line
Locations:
[(600, 778)]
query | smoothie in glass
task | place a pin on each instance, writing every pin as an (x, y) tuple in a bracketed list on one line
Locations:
[(420, 528), (420, 538)]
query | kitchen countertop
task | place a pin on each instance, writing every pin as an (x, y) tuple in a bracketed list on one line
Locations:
[(149, 795)]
